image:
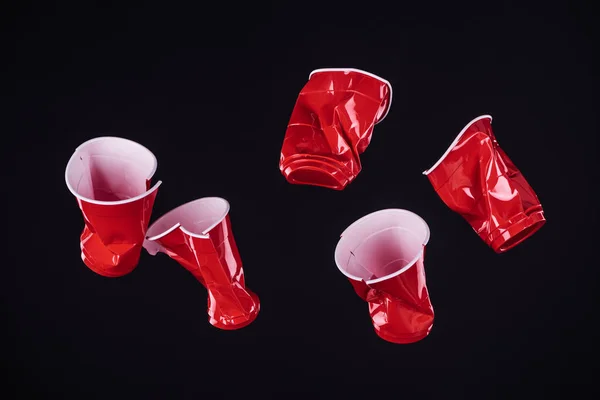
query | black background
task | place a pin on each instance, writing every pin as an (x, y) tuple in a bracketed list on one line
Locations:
[(209, 90)]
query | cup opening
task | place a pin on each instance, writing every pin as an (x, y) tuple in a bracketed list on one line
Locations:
[(381, 245), (110, 169), (197, 217)]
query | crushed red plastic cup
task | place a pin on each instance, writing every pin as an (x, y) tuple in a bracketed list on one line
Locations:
[(382, 255), (331, 125), (111, 179), (198, 235), (476, 179)]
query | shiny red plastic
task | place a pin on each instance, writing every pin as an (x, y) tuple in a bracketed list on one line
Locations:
[(110, 178), (476, 179), (198, 235), (331, 125), (382, 256)]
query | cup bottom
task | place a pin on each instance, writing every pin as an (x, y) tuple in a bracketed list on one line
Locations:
[(316, 171)]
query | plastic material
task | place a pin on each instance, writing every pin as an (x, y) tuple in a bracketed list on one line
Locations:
[(476, 179), (111, 180), (331, 125), (382, 256), (198, 235)]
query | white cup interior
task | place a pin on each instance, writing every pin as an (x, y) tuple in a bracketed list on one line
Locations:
[(110, 169), (196, 217), (381, 244)]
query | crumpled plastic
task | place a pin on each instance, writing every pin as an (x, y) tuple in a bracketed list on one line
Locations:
[(476, 179), (198, 235), (111, 179), (331, 125), (382, 255)]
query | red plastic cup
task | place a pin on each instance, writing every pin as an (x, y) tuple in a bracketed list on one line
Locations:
[(198, 235), (111, 179), (382, 256), (331, 125), (476, 179)]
